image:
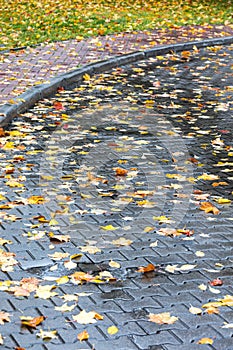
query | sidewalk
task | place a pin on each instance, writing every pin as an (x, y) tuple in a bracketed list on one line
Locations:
[(20, 70), (116, 206)]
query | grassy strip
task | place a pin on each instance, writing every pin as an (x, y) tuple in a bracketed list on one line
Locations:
[(26, 23)]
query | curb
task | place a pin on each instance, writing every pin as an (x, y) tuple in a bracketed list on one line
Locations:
[(26, 100)]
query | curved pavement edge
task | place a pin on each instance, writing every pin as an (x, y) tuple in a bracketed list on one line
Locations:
[(26, 100)]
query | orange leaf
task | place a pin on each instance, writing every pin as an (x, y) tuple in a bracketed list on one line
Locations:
[(162, 318), (148, 268), (33, 323), (208, 208), (58, 106), (216, 282), (121, 171), (205, 341), (83, 336)]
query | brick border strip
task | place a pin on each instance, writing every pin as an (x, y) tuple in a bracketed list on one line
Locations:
[(26, 100)]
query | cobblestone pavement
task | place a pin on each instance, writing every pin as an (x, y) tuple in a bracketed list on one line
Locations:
[(22, 69), (119, 170)]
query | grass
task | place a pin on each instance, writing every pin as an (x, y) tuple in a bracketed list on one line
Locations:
[(26, 23)]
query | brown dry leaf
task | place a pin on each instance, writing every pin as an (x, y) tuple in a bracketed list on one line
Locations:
[(87, 317), (1, 340), (162, 318), (148, 268), (122, 241), (4, 317), (83, 335), (121, 172), (209, 208), (32, 322), (205, 341)]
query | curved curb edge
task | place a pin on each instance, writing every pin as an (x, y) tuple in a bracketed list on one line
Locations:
[(26, 100)]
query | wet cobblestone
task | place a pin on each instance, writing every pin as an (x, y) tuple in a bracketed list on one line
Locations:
[(166, 121)]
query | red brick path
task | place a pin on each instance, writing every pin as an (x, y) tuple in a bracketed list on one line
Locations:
[(20, 70)]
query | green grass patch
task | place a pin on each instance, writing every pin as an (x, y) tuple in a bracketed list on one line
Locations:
[(26, 23)]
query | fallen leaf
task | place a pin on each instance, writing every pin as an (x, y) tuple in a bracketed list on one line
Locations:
[(4, 317), (209, 208), (58, 238), (195, 310), (199, 254), (154, 244), (227, 325), (186, 267), (47, 335), (171, 268), (86, 317), (212, 310), (44, 292), (205, 341), (31, 322), (1, 340), (83, 335), (148, 268), (202, 287), (121, 172), (114, 264), (122, 242), (216, 282), (62, 280), (112, 330), (5, 241), (108, 228), (36, 200), (215, 291), (58, 255), (162, 318), (65, 308), (90, 249), (206, 176)]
